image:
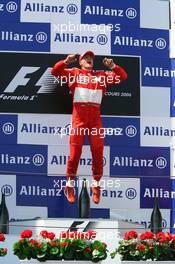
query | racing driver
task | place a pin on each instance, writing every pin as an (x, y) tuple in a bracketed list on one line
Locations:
[(87, 87)]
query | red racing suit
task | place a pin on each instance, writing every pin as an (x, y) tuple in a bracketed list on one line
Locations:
[(88, 88)]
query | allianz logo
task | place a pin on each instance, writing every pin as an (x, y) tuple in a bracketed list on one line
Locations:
[(8, 128), (158, 72), (10, 7), (97, 10), (146, 223), (129, 193), (36, 190), (159, 193), (159, 43), (101, 39), (37, 128), (158, 131), (62, 160), (41, 7), (36, 160), (40, 37), (7, 189), (126, 161)]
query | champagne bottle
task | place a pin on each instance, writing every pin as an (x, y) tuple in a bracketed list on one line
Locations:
[(84, 201), (156, 218), (4, 216)]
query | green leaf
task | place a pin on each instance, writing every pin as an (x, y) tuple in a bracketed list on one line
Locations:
[(54, 251), (44, 248), (41, 255)]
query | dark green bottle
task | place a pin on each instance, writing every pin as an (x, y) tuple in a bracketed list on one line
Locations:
[(4, 216), (156, 218), (84, 201)]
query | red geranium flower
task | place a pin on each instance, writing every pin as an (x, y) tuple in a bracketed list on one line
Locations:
[(151, 248), (63, 244), (53, 243), (130, 235), (105, 244), (140, 247), (87, 249), (33, 242), (51, 235), (142, 237), (159, 235), (26, 234), (168, 236), (40, 245), (162, 237), (147, 235), (2, 237), (44, 233), (5, 250)]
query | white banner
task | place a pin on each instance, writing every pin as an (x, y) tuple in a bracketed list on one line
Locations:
[(155, 101), (172, 13), (77, 38), (50, 10), (8, 186), (172, 46), (148, 11), (141, 216), (58, 157), (156, 131), (46, 129), (119, 193)]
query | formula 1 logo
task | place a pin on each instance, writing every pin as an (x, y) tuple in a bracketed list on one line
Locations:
[(20, 79)]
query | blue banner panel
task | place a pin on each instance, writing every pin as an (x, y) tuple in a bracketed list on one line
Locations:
[(9, 11), (121, 131), (173, 88), (173, 72), (155, 187), (124, 13), (25, 36), (8, 129), (100, 213), (156, 72), (172, 230), (23, 159), (45, 191), (144, 161), (172, 102), (143, 42), (173, 191)]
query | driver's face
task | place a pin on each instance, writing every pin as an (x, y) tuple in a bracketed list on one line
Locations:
[(87, 62)]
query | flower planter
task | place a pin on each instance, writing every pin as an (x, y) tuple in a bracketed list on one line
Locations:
[(33, 261), (147, 262)]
